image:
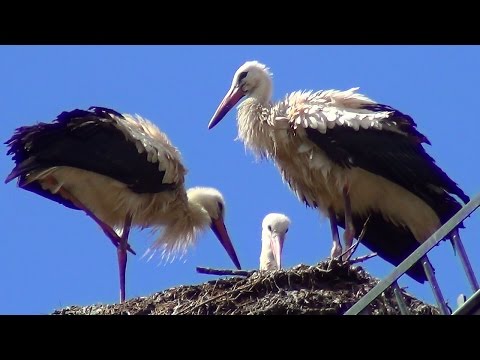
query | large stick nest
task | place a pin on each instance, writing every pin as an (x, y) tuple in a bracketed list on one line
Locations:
[(321, 290)]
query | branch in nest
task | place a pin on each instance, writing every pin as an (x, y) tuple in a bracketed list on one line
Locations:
[(210, 271), (360, 238), (362, 258)]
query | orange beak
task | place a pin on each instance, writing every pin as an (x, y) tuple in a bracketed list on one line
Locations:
[(219, 229), (276, 244), (233, 96)]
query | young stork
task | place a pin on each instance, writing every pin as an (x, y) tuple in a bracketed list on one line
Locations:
[(122, 171), (274, 230), (351, 158)]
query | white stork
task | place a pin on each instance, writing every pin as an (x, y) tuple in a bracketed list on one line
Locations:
[(122, 171), (274, 230), (350, 157)]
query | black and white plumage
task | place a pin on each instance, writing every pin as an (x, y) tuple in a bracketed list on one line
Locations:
[(351, 158), (122, 171)]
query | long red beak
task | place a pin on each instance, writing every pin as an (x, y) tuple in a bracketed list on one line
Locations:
[(229, 101), (276, 244), (219, 229)]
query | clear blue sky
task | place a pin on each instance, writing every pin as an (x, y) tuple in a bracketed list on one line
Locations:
[(53, 257)]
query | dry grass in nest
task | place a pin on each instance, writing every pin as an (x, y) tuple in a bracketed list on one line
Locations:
[(301, 290)]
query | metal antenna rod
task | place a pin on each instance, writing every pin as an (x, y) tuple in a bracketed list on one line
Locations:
[(400, 300), (467, 267), (434, 285)]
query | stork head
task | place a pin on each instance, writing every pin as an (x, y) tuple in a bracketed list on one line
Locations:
[(252, 79), (212, 207), (274, 230)]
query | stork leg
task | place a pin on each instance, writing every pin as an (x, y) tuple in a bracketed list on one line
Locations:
[(337, 246), (349, 232), (122, 255), (111, 234), (121, 242)]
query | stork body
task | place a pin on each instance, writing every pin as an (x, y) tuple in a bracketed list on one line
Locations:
[(351, 158), (122, 171), (274, 230)]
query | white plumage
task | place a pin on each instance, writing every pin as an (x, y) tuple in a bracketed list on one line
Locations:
[(122, 171), (348, 156), (274, 230)]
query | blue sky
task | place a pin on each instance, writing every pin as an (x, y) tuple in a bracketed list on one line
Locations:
[(53, 257)]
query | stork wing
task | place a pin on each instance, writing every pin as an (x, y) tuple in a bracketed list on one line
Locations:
[(130, 150), (354, 130), (397, 157), (324, 110)]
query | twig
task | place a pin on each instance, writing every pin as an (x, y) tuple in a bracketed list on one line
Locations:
[(210, 271), (362, 258), (360, 238), (354, 247), (197, 306)]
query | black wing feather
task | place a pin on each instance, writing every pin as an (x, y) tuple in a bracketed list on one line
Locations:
[(392, 243), (395, 157), (401, 159), (86, 140), (399, 120), (36, 188)]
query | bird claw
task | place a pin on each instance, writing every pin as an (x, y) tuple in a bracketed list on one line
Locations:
[(116, 243), (336, 251), (130, 250)]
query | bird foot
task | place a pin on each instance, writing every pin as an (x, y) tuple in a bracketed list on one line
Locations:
[(336, 251), (130, 250)]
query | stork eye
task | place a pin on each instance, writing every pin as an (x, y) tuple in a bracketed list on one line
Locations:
[(286, 230), (220, 207), (270, 228), (242, 76)]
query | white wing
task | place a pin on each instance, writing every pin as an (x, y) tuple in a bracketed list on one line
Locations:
[(323, 110), (148, 138)]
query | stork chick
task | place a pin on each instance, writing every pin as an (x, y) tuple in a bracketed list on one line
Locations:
[(350, 157), (274, 230)]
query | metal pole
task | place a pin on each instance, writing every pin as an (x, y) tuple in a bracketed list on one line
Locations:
[(467, 267), (415, 256), (400, 300), (434, 285)]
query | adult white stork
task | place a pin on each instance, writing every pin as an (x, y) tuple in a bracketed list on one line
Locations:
[(350, 157), (122, 171), (274, 230)]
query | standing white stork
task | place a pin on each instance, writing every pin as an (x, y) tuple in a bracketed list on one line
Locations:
[(122, 171), (351, 158), (274, 230)]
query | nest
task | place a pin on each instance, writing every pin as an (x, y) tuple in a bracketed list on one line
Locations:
[(325, 289)]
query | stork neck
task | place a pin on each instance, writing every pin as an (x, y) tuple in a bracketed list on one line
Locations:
[(262, 90), (253, 126), (197, 215), (266, 248)]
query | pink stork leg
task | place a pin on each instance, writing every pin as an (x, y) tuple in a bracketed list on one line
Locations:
[(337, 246), (111, 234), (349, 232), (120, 242), (122, 255)]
